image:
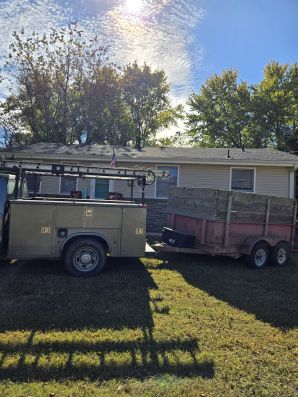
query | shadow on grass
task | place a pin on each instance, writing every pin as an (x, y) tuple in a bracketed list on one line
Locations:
[(39, 296), (271, 294)]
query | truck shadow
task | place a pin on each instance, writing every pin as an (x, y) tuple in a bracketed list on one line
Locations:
[(271, 294), (39, 297)]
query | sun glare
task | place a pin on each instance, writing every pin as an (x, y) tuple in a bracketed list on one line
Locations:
[(134, 6)]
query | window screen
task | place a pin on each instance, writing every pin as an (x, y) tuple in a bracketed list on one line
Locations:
[(68, 184), (163, 183), (242, 179)]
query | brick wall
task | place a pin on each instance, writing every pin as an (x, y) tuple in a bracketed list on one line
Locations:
[(156, 214)]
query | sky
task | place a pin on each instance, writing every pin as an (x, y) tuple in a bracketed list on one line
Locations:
[(189, 39)]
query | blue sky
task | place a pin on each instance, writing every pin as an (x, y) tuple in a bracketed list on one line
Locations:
[(246, 35), (189, 39)]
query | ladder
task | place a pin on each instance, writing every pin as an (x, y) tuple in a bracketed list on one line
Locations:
[(22, 168)]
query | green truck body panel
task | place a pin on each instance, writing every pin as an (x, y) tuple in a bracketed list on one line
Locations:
[(42, 228)]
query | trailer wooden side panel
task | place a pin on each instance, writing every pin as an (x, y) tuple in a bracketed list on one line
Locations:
[(212, 204), (223, 221)]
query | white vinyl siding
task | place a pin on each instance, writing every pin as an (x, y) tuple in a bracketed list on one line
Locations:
[(50, 185), (268, 180), (273, 180), (217, 177)]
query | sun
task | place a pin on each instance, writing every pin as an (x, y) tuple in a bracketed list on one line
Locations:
[(134, 6)]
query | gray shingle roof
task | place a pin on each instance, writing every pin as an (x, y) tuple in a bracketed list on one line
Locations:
[(152, 154)]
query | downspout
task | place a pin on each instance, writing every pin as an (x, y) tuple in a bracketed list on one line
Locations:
[(292, 185)]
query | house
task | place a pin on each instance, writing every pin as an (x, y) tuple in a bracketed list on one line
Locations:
[(264, 171)]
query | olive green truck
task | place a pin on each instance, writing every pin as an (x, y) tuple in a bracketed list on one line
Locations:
[(81, 232)]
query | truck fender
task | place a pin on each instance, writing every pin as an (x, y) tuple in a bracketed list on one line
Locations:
[(75, 236), (251, 241)]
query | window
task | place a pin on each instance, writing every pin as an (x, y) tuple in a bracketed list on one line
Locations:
[(243, 179), (163, 183), (33, 183), (68, 184)]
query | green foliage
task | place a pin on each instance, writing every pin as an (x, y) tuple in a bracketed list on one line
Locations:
[(228, 113), (146, 95), (49, 79), (275, 106), (65, 90), (220, 113)]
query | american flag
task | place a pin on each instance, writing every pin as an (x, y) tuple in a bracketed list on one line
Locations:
[(113, 161)]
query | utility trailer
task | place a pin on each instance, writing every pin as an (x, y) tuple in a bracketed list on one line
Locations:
[(228, 223), (81, 232)]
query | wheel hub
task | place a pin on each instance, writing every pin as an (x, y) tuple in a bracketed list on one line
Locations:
[(86, 258), (281, 256), (260, 257)]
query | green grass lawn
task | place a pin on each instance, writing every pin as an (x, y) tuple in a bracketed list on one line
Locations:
[(178, 326)]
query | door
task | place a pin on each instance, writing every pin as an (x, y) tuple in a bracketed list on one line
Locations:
[(101, 188)]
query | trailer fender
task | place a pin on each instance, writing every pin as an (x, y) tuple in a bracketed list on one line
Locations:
[(101, 238), (251, 241)]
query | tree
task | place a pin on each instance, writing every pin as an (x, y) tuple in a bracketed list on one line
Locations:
[(146, 94), (65, 90), (275, 106), (227, 113), (51, 77), (220, 114)]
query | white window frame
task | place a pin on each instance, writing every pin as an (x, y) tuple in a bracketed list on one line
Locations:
[(155, 184), (63, 176), (243, 168)]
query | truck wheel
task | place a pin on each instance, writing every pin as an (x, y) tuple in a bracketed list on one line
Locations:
[(279, 255), (85, 257), (259, 255)]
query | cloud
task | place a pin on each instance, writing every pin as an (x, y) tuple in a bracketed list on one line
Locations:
[(37, 16), (161, 33)]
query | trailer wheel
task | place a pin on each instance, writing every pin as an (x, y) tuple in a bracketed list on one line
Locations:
[(85, 257), (279, 255), (259, 255)]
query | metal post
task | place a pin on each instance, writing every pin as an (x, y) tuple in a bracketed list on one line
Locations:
[(131, 190), (267, 216), (16, 189), (143, 189), (228, 220), (35, 184)]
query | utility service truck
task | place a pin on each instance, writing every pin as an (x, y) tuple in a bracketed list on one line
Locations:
[(81, 232)]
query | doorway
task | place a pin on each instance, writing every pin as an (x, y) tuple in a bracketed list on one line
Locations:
[(101, 188)]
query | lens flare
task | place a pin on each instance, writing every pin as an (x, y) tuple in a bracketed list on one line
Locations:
[(134, 6)]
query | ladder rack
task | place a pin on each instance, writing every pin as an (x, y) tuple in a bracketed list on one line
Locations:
[(23, 168)]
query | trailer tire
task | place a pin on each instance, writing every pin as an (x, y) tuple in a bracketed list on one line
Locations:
[(85, 257), (279, 255), (259, 255)]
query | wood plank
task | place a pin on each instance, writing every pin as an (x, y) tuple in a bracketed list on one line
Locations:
[(212, 204)]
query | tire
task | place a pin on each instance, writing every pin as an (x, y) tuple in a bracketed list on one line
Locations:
[(259, 255), (279, 255), (85, 257)]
